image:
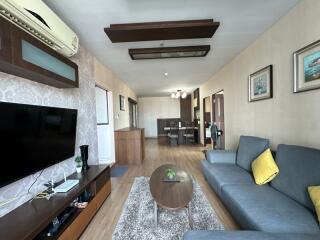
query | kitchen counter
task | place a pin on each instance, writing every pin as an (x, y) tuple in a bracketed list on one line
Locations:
[(130, 146)]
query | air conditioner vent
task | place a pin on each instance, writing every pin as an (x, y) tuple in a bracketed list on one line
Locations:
[(36, 18), (25, 26)]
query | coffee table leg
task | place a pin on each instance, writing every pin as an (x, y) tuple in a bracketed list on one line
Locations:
[(156, 213)]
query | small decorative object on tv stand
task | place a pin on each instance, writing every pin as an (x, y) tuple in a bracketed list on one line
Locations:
[(78, 161), (84, 156)]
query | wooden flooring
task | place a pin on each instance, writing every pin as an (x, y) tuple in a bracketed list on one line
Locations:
[(157, 153)]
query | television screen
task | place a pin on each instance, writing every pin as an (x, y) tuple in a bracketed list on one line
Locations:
[(33, 138)]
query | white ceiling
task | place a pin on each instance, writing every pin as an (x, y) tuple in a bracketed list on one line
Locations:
[(241, 22)]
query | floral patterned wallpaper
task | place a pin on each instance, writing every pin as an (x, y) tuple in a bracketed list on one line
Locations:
[(19, 90)]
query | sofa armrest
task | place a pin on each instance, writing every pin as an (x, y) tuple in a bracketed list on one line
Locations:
[(221, 156)]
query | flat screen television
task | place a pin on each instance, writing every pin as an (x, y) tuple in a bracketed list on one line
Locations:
[(33, 138)]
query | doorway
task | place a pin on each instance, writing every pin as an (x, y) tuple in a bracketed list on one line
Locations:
[(133, 113), (105, 127), (218, 127), (206, 121)]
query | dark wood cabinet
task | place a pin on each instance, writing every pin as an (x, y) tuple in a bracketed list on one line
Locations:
[(185, 109), (196, 95), (5, 42), (196, 115), (25, 56), (196, 108)]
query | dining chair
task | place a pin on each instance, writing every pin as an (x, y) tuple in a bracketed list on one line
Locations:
[(189, 133), (174, 135)]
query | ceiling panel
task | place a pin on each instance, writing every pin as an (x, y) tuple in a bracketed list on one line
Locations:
[(241, 22)]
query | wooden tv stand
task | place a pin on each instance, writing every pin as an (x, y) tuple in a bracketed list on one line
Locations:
[(30, 219)]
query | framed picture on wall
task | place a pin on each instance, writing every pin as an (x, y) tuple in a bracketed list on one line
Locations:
[(122, 103), (307, 68), (260, 84)]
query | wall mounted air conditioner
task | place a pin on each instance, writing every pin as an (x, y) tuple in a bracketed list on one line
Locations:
[(36, 18)]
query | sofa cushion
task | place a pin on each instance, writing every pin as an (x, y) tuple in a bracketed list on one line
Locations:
[(264, 168), (220, 174), (246, 235), (263, 208), (314, 192), (249, 149), (299, 168)]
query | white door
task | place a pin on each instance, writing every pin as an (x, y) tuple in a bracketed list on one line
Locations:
[(104, 109)]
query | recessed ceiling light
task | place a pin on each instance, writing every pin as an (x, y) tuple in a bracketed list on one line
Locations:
[(166, 74)]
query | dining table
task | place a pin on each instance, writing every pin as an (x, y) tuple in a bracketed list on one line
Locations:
[(181, 131)]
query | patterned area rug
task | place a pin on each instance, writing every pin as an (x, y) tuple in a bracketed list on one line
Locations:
[(137, 221)]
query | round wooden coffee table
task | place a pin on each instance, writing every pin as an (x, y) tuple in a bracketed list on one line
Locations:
[(171, 195)]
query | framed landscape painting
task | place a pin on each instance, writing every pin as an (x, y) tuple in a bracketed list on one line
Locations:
[(260, 84), (307, 68)]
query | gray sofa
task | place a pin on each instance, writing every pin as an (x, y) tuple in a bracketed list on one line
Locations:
[(246, 235), (279, 210)]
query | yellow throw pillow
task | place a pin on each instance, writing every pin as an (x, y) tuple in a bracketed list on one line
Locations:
[(314, 192), (264, 168)]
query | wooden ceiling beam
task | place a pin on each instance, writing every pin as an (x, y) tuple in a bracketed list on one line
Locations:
[(169, 30)]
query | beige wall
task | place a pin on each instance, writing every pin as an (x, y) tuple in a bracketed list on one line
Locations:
[(152, 108), (287, 118), (105, 78)]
